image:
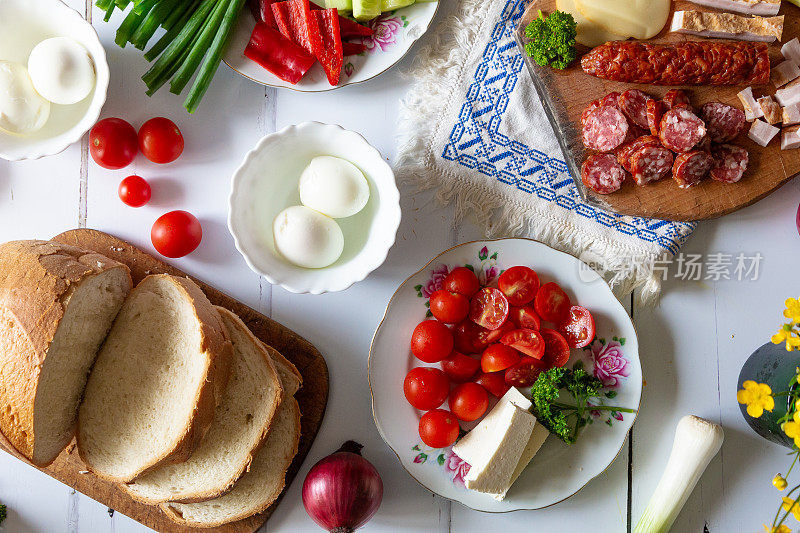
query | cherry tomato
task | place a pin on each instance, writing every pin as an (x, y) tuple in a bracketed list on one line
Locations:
[(431, 341), (134, 191), (459, 367), (524, 317), (449, 307), (113, 143), (160, 140), (468, 401), (519, 284), (488, 308), (527, 341), (556, 349), (469, 337), (426, 388), (578, 328), (494, 382), (552, 303), (438, 428), (524, 373), (498, 357), (490, 336), (176, 234), (463, 281)]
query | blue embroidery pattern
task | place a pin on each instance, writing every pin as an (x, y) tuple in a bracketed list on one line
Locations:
[(476, 143)]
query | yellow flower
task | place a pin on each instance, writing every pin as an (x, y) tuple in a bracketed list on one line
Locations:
[(757, 397), (779, 482), (791, 505), (792, 310), (788, 335), (783, 528)]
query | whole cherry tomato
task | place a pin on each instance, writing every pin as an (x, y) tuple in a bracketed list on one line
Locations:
[(463, 281), (160, 140), (459, 367), (134, 191), (438, 428), (176, 234), (449, 307), (431, 341), (113, 143), (468, 401), (426, 388)]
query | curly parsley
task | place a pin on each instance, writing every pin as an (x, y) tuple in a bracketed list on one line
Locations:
[(552, 39)]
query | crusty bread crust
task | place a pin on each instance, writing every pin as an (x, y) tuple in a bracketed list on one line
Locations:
[(36, 280)]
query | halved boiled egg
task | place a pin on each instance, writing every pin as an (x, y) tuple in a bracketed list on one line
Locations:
[(333, 186), (22, 109), (61, 70), (307, 238)]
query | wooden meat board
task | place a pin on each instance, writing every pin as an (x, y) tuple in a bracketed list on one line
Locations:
[(312, 397), (566, 93)]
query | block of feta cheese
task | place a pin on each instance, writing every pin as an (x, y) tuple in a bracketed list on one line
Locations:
[(789, 94), (728, 26), (791, 115), (762, 133), (494, 447), (538, 437), (790, 138), (791, 50), (784, 72), (752, 110), (771, 109), (747, 7)]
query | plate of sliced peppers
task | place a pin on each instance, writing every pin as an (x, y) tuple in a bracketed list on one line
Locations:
[(308, 47)]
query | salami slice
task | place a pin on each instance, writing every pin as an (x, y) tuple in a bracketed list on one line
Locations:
[(589, 108), (633, 103), (691, 167), (724, 122), (605, 129), (676, 97), (681, 129), (611, 99), (730, 162), (602, 173), (704, 144), (650, 163), (655, 110), (625, 151)]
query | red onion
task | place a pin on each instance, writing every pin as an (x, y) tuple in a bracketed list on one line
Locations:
[(342, 491)]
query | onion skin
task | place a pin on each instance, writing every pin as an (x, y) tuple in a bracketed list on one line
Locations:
[(342, 491)]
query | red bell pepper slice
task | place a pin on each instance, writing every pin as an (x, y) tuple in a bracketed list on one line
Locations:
[(349, 28), (303, 26), (331, 57), (277, 54), (353, 49), (280, 12)]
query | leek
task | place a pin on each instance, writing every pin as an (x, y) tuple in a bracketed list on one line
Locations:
[(697, 441)]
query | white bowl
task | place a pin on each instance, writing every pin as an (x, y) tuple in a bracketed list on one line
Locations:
[(23, 25), (266, 183)]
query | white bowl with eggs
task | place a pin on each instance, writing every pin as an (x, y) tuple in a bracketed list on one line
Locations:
[(266, 201), (23, 25)]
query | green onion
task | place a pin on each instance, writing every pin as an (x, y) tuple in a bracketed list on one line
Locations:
[(199, 48), (151, 23), (171, 34), (127, 28)]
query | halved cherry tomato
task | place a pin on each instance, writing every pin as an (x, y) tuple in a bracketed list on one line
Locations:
[(556, 349), (463, 281), (459, 367), (449, 307), (469, 337), (552, 303), (524, 317), (431, 341), (578, 328), (524, 373), (426, 388), (488, 308), (494, 382), (468, 401), (519, 284), (498, 357), (490, 336), (527, 341), (438, 428)]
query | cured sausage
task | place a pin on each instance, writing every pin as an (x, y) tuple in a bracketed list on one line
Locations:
[(655, 110), (691, 167), (605, 129), (730, 162), (681, 129), (676, 97), (602, 173), (625, 151), (633, 103), (723, 122), (611, 99), (687, 63), (650, 163), (589, 108)]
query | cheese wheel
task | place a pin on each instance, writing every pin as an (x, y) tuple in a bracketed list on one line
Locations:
[(589, 33), (641, 19)]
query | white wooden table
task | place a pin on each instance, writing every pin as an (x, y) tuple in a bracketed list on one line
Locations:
[(692, 345)]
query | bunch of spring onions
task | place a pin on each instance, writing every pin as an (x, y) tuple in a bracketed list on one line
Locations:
[(197, 33)]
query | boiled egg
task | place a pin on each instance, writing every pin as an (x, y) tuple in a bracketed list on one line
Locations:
[(307, 238), (22, 109), (61, 70), (333, 186)]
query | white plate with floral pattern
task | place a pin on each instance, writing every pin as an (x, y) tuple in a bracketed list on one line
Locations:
[(395, 32), (559, 470)]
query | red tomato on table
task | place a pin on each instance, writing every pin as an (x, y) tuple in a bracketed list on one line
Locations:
[(134, 191), (160, 140), (176, 234), (449, 307), (552, 303), (438, 428), (556, 349), (463, 281), (459, 367), (578, 328), (498, 357), (527, 341), (426, 388), (113, 143), (468, 401), (431, 341), (519, 284), (489, 308)]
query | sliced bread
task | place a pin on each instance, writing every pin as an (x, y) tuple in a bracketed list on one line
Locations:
[(57, 303), (263, 483), (157, 380), (241, 423)]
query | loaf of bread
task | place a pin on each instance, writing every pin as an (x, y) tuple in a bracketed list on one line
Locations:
[(159, 376), (57, 304)]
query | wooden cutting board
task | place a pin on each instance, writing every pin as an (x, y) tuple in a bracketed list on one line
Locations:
[(312, 397), (565, 94)]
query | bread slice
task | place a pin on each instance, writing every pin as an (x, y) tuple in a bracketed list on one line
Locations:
[(57, 303), (263, 483), (241, 423), (157, 380)]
